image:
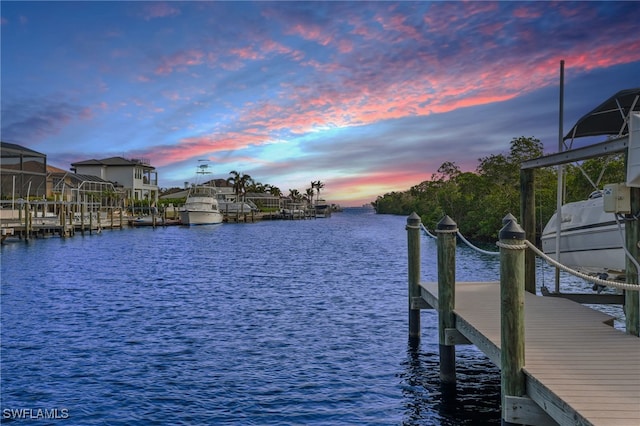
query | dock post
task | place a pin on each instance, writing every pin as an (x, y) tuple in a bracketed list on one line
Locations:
[(631, 298), (63, 221), (512, 281), (413, 240), (27, 221), (81, 207), (90, 208), (528, 220), (446, 231)]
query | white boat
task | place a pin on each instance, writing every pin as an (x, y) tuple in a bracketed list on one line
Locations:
[(590, 239), (233, 207), (322, 208), (201, 206)]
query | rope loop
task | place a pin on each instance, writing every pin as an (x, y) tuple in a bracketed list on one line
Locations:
[(511, 246), (446, 231)]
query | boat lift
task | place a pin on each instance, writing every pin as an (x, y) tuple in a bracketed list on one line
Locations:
[(618, 118)]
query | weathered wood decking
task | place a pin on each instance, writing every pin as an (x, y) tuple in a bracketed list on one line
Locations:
[(579, 369)]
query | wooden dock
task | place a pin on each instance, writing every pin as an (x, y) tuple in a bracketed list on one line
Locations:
[(561, 362), (579, 369)]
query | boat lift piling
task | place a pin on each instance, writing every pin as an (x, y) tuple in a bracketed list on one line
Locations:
[(632, 239), (632, 228)]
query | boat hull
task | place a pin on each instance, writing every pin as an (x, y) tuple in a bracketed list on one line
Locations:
[(590, 239), (191, 217)]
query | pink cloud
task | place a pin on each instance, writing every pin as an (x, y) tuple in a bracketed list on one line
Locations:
[(311, 32), (397, 23), (246, 53), (86, 114), (524, 12), (204, 145), (361, 29), (180, 61), (159, 10)]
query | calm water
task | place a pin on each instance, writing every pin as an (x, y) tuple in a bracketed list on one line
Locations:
[(283, 322)]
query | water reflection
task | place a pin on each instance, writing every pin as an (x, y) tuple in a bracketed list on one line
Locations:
[(474, 400)]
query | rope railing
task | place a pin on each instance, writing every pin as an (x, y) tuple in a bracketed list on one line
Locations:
[(426, 231), (595, 280), (550, 260), (478, 249), (467, 242)]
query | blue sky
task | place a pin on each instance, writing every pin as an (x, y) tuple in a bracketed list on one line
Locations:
[(367, 97)]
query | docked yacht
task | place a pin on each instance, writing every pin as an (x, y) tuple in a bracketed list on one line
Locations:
[(201, 206), (322, 208)]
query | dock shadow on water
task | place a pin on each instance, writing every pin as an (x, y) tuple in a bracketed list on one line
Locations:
[(272, 323)]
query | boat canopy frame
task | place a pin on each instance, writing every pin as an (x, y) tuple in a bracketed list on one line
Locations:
[(611, 118)]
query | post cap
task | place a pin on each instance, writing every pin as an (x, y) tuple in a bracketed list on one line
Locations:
[(413, 219), (511, 231), (509, 217), (446, 224)]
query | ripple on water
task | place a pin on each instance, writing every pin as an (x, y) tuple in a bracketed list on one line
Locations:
[(283, 322)]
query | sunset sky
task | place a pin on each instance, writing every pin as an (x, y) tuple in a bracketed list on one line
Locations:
[(367, 97)]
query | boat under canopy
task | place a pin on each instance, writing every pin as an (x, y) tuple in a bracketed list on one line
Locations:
[(590, 239)]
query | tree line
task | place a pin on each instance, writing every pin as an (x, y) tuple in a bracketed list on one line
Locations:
[(477, 201)]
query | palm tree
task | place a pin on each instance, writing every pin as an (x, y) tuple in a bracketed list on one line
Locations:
[(295, 195), (239, 181), (275, 191), (257, 187), (318, 185), (309, 194)]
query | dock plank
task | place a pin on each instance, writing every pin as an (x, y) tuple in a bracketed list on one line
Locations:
[(579, 369)]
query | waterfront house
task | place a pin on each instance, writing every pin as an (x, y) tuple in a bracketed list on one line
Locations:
[(137, 178), (23, 172)]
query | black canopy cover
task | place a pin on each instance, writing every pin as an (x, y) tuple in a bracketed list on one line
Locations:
[(609, 117)]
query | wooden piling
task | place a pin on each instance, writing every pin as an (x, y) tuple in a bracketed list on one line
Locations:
[(632, 298), (413, 241), (512, 253), (446, 231), (63, 220), (528, 220), (27, 221), (90, 210), (82, 208)]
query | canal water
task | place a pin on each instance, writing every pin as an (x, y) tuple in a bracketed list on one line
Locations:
[(272, 323)]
